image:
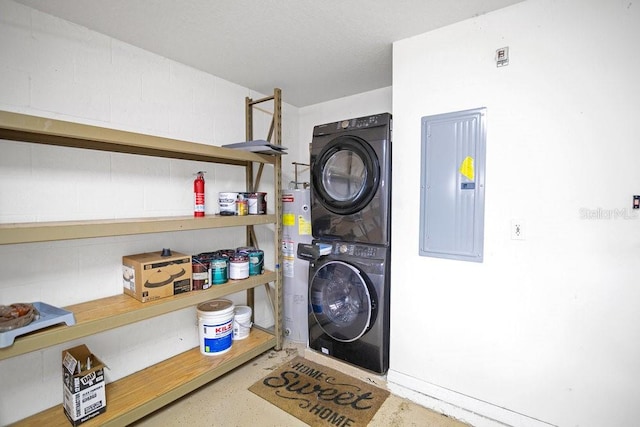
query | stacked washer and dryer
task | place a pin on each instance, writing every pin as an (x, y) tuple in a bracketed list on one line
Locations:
[(351, 219)]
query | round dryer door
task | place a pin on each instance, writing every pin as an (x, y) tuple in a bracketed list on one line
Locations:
[(346, 174), (343, 302)]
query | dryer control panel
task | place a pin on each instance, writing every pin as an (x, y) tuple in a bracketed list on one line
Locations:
[(363, 122), (357, 123), (360, 251)]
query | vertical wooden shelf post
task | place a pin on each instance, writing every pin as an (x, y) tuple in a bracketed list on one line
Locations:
[(274, 137)]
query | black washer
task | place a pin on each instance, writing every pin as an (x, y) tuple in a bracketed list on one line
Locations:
[(344, 303)]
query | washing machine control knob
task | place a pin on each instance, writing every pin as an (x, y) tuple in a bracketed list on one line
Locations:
[(343, 249)]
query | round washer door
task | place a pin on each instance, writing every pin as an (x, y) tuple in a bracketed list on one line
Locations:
[(345, 175), (343, 302)]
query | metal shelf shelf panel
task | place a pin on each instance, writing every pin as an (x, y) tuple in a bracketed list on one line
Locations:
[(68, 230), (119, 310), (40, 130), (143, 392)]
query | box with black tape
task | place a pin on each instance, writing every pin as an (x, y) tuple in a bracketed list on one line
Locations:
[(83, 385)]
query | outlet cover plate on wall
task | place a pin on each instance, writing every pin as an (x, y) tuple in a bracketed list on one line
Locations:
[(518, 228)]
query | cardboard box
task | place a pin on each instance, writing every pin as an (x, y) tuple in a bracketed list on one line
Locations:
[(151, 276), (83, 385)]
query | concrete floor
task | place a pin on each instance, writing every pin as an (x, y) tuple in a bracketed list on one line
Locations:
[(228, 402)]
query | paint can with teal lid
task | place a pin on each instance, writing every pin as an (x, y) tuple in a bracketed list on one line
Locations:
[(218, 270), (256, 262)]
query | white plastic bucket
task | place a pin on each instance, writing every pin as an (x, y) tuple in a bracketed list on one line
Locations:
[(215, 326), (241, 322)]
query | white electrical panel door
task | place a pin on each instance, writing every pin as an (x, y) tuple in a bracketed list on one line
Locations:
[(452, 185)]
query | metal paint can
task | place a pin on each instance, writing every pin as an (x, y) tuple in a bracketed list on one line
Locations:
[(238, 267), (219, 271), (256, 262), (242, 204), (208, 255), (200, 277), (227, 253), (257, 203), (245, 249), (227, 203)]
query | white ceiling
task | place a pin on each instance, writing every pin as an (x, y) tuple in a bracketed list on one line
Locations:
[(314, 50)]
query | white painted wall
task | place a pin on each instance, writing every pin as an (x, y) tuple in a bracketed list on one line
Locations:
[(56, 69), (546, 327)]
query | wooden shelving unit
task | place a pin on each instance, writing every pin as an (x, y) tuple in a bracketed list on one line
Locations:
[(143, 392)]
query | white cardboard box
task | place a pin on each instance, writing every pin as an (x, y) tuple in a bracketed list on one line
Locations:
[(84, 395)]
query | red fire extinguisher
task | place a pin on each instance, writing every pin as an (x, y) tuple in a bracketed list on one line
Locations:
[(198, 194)]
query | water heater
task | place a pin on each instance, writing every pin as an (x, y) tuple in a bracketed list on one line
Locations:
[(296, 227)]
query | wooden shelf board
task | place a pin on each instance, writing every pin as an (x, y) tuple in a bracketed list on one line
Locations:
[(119, 310), (139, 394), (26, 128), (67, 230)]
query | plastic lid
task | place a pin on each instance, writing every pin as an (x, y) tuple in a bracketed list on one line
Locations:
[(243, 310), (215, 305)]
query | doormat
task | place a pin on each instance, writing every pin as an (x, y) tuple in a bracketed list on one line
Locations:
[(320, 396)]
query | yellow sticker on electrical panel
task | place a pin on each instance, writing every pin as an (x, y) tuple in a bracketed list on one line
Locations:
[(288, 219), (304, 226), (466, 168)]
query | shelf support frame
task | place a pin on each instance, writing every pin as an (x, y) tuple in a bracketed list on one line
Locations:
[(274, 137)]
